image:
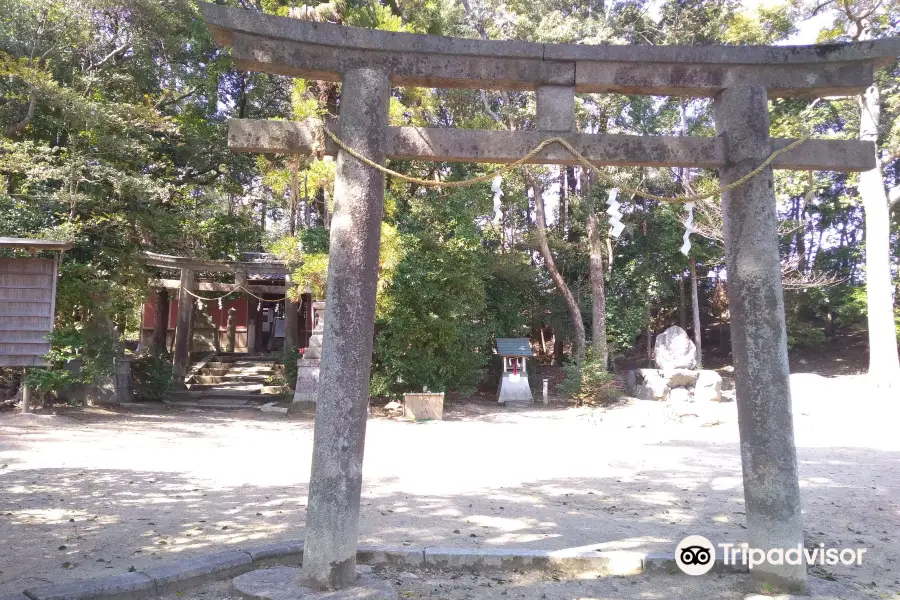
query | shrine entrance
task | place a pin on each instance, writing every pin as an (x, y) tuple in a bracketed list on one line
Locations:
[(740, 79)]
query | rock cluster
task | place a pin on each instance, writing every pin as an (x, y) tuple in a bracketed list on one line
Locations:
[(676, 385)]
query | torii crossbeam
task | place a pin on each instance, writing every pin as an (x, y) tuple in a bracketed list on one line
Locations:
[(740, 79)]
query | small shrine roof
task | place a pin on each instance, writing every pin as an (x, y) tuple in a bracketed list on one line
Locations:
[(34, 244), (514, 347)]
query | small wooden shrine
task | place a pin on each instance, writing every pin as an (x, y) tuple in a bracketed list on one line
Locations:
[(514, 386)]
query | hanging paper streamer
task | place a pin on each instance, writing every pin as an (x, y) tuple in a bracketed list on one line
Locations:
[(495, 187), (615, 217), (220, 304), (688, 228), (199, 304)]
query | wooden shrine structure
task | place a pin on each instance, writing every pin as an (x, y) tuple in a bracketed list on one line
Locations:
[(740, 79), (27, 302), (261, 282)]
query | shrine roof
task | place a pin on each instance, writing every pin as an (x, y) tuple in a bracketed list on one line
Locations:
[(34, 244), (514, 347)]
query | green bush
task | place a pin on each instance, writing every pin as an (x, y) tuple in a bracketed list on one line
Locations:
[(589, 383), (803, 335), (152, 377), (289, 359), (65, 345)]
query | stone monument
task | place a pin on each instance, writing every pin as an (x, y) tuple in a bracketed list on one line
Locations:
[(308, 366)]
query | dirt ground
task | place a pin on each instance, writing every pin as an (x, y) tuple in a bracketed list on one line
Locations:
[(87, 493)]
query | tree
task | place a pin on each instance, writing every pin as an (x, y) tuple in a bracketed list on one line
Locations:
[(863, 20)]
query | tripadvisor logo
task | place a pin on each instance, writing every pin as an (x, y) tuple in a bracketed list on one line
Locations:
[(695, 555)]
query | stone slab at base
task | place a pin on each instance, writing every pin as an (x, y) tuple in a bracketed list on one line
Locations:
[(282, 583)]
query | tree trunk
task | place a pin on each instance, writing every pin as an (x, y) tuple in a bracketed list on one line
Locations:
[(565, 292), (160, 321), (295, 199), (563, 201), (695, 307), (598, 293), (557, 350), (682, 312), (884, 364), (262, 214)]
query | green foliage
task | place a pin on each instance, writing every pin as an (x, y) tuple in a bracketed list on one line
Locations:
[(804, 335), (312, 274), (314, 240), (289, 358), (590, 382), (152, 377), (431, 336), (65, 347)]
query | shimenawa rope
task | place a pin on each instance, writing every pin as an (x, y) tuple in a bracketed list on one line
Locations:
[(581, 158)]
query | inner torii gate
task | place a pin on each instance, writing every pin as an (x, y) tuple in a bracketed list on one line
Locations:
[(740, 79)]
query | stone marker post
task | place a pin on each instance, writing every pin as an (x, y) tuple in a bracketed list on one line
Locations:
[(309, 367), (26, 394), (332, 520), (759, 337), (182, 352)]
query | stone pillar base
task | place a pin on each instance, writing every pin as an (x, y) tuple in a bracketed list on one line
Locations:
[(283, 583), (307, 380)]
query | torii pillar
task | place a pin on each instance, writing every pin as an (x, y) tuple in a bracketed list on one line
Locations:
[(759, 335), (332, 517), (182, 354)]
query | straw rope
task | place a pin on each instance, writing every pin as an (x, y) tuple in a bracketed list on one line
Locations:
[(237, 288), (581, 159)]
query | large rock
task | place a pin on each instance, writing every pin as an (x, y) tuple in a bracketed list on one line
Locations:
[(647, 384), (680, 377), (675, 350), (709, 387)]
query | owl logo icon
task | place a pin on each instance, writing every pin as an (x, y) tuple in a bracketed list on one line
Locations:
[(695, 555)]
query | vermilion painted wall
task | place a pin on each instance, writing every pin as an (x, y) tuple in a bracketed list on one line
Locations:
[(220, 317)]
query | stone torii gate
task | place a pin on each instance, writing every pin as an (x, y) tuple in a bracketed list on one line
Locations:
[(740, 79)]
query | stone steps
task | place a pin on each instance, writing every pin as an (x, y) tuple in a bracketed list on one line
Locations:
[(231, 382), (232, 377)]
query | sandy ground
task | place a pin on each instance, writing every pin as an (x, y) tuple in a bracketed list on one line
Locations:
[(87, 493)]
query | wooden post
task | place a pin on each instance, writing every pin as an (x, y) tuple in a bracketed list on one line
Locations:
[(232, 330), (161, 321), (182, 354), (240, 278)]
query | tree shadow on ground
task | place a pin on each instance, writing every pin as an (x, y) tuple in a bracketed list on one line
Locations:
[(104, 521)]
